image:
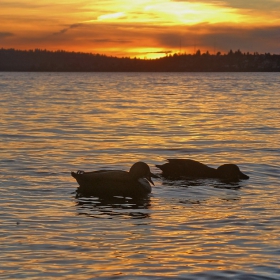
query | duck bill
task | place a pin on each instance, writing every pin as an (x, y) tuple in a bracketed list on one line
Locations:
[(148, 177)]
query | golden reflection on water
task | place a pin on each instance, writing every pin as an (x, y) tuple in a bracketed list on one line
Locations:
[(91, 121)]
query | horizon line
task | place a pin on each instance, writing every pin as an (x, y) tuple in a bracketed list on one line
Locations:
[(168, 53)]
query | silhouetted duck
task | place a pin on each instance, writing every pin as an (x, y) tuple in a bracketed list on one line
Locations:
[(178, 168), (136, 182)]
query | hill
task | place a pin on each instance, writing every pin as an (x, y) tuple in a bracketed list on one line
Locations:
[(62, 61)]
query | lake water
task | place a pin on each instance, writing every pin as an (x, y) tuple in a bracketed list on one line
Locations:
[(54, 123)]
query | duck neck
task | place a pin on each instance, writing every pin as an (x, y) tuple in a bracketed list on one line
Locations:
[(145, 184)]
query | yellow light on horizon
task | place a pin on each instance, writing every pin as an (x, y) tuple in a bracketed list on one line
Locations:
[(130, 28)]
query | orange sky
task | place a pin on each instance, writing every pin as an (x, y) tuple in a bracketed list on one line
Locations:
[(141, 28)]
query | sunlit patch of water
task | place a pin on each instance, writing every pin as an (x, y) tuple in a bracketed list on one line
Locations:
[(54, 123)]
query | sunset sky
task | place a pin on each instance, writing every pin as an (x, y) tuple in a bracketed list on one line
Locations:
[(141, 28)]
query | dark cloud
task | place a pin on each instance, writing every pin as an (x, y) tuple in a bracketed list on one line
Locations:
[(223, 38), (100, 37), (211, 37), (170, 39), (253, 39), (5, 34), (64, 30), (241, 4), (21, 4), (111, 41), (255, 5)]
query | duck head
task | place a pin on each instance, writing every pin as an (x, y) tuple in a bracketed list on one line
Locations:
[(141, 170), (231, 172)]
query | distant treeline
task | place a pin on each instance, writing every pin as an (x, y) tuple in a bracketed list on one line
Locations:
[(62, 61)]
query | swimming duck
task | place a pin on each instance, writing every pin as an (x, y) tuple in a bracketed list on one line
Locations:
[(136, 182), (178, 168)]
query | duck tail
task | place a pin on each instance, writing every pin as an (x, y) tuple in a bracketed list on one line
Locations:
[(243, 176), (73, 174), (158, 166)]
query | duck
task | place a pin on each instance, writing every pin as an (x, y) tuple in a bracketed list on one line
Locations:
[(180, 168), (136, 182)]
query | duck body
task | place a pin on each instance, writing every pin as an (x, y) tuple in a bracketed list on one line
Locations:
[(187, 168), (136, 182)]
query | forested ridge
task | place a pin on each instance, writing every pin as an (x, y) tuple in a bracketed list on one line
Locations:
[(55, 61)]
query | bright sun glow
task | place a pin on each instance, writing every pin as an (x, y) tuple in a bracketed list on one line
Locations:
[(146, 28), (168, 13), (111, 16), (190, 13)]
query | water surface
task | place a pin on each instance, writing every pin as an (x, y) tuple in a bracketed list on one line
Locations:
[(54, 123)]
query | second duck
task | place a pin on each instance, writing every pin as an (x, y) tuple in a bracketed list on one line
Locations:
[(187, 168)]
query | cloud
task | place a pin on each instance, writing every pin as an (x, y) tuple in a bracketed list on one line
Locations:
[(240, 4), (111, 41), (143, 27), (16, 4), (64, 30), (256, 4), (121, 38), (112, 16), (223, 38), (170, 39), (5, 34)]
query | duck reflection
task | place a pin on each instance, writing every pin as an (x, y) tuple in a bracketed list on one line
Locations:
[(187, 182), (199, 191), (114, 206)]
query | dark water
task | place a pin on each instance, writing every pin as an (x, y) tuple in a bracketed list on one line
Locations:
[(54, 123)]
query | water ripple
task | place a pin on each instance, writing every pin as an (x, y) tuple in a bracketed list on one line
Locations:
[(54, 123)]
